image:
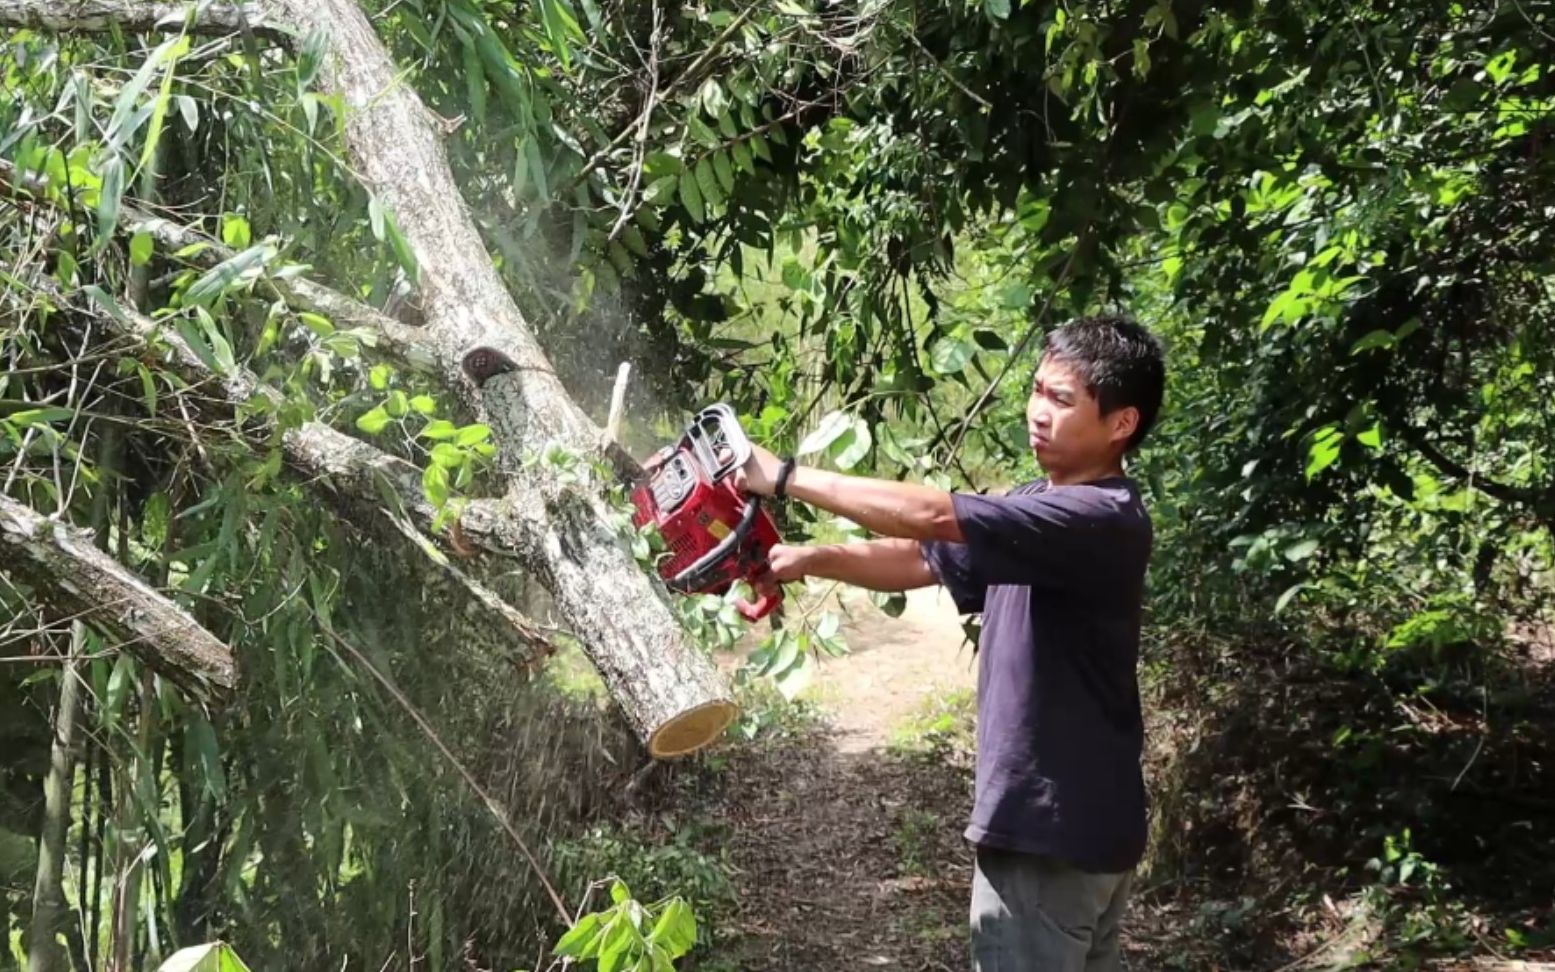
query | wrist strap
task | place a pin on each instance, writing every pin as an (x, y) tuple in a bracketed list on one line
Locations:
[(784, 472)]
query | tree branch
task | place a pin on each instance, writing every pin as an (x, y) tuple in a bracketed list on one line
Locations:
[(143, 16), (1540, 503), (363, 481), (401, 343), (60, 563)]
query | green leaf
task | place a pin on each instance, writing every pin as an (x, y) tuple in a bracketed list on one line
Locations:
[(475, 81), (1376, 339), (1290, 593), (142, 246), (448, 455), (401, 248), (317, 323), (724, 170), (787, 653), (202, 736), (575, 943), (997, 9), (707, 181), (950, 355), (661, 191), (213, 957), (438, 429), (676, 929), (189, 110), (108, 200), (691, 197), (124, 120), (105, 300), (434, 482), (164, 96), (796, 678), (473, 435), (196, 338), (237, 269), (658, 165), (374, 420), (1301, 550), (1371, 438), (831, 427), (235, 231), (397, 404), (1324, 450), (40, 416), (742, 157), (619, 893), (850, 449), (424, 404)]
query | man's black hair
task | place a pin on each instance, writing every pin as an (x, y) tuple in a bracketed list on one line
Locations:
[(1121, 363)]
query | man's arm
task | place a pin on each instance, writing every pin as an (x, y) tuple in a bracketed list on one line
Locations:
[(891, 509), (880, 565)]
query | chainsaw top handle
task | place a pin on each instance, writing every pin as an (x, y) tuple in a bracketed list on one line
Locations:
[(718, 441)]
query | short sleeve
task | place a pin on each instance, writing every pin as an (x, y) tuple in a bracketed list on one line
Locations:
[(951, 563), (1064, 537)]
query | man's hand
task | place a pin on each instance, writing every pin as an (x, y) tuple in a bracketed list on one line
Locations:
[(759, 474), (785, 563)]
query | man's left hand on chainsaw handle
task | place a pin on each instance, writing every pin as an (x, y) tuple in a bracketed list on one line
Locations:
[(759, 474)]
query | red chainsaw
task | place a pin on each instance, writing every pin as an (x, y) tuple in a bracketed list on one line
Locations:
[(716, 534)]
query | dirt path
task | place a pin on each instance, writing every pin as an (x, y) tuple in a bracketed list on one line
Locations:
[(893, 666), (846, 850)]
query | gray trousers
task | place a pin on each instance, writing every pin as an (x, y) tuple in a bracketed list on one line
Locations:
[(1035, 914)]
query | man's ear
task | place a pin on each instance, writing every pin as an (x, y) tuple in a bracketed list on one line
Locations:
[(1123, 421)]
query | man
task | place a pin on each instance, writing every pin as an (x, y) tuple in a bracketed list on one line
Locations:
[(1057, 569)]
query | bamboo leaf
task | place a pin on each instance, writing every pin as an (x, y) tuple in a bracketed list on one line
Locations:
[(109, 199), (164, 97)]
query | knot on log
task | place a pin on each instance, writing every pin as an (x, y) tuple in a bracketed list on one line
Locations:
[(484, 364)]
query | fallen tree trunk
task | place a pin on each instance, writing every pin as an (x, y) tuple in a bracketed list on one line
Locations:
[(485, 349), (67, 572), (140, 16)]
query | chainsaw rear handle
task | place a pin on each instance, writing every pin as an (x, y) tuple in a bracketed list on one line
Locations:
[(693, 577), (763, 606)]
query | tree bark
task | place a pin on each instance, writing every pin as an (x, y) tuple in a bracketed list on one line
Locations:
[(140, 16), (78, 580)]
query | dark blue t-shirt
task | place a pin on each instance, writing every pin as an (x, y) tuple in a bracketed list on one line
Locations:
[(1058, 573)]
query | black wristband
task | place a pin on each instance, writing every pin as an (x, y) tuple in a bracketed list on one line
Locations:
[(784, 471)]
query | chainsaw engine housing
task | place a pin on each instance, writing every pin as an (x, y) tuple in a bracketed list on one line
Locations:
[(716, 535)]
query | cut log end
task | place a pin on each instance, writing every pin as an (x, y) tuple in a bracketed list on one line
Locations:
[(692, 730)]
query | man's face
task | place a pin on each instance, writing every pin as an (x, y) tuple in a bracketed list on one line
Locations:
[(1064, 424)]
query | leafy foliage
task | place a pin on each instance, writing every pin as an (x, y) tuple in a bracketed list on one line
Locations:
[(855, 223)]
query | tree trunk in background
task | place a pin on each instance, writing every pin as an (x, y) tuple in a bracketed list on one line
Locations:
[(44, 953)]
